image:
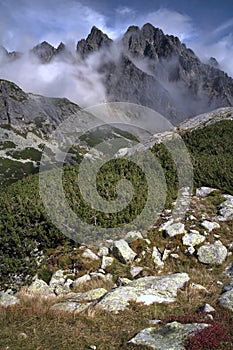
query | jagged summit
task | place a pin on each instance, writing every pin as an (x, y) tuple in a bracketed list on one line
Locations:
[(44, 51), (150, 68), (6, 56), (95, 41)]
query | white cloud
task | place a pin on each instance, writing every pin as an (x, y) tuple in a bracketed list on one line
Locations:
[(80, 82), (223, 27), (172, 22), (124, 10), (47, 20), (222, 50)]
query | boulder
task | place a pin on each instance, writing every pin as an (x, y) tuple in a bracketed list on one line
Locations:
[(135, 270), (59, 283), (106, 261), (193, 238), (226, 299), (170, 337), (103, 251), (226, 208), (39, 286), (122, 251), (81, 280), (8, 299), (79, 302), (212, 253), (133, 236), (150, 289), (157, 257), (204, 191), (210, 226), (88, 254), (174, 229)]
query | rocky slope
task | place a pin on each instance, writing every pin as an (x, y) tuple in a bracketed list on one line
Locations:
[(192, 256)]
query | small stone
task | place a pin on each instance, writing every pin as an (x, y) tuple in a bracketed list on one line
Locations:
[(133, 236), (88, 254), (8, 300), (198, 287), (156, 255), (192, 239), (204, 191), (212, 253), (103, 251), (166, 253), (210, 226), (23, 335), (175, 229), (154, 322), (106, 262), (207, 308), (81, 280), (135, 271), (191, 250), (122, 251), (123, 281), (174, 256), (219, 283)]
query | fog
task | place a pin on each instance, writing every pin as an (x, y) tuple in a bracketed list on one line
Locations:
[(78, 81)]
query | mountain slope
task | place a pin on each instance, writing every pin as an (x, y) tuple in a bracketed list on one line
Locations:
[(158, 71), (144, 66)]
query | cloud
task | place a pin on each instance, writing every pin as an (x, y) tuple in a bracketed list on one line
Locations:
[(29, 22), (221, 49), (25, 23), (172, 22), (223, 27), (80, 82), (124, 10)]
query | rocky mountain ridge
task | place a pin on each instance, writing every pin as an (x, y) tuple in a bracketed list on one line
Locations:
[(150, 68), (27, 120)]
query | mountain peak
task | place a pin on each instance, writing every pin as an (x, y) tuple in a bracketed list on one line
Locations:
[(44, 51), (95, 41), (61, 47), (133, 29)]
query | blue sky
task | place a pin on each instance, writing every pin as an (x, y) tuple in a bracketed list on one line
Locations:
[(26, 21)]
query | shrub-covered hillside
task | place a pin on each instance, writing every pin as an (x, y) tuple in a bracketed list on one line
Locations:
[(25, 228)]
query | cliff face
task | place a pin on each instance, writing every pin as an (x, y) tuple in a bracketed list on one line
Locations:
[(158, 71), (146, 67), (27, 111)]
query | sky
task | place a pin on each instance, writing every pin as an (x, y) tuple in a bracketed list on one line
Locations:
[(23, 22), (204, 26)]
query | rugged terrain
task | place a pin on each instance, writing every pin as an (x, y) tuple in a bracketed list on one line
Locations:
[(169, 286), (146, 67)]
